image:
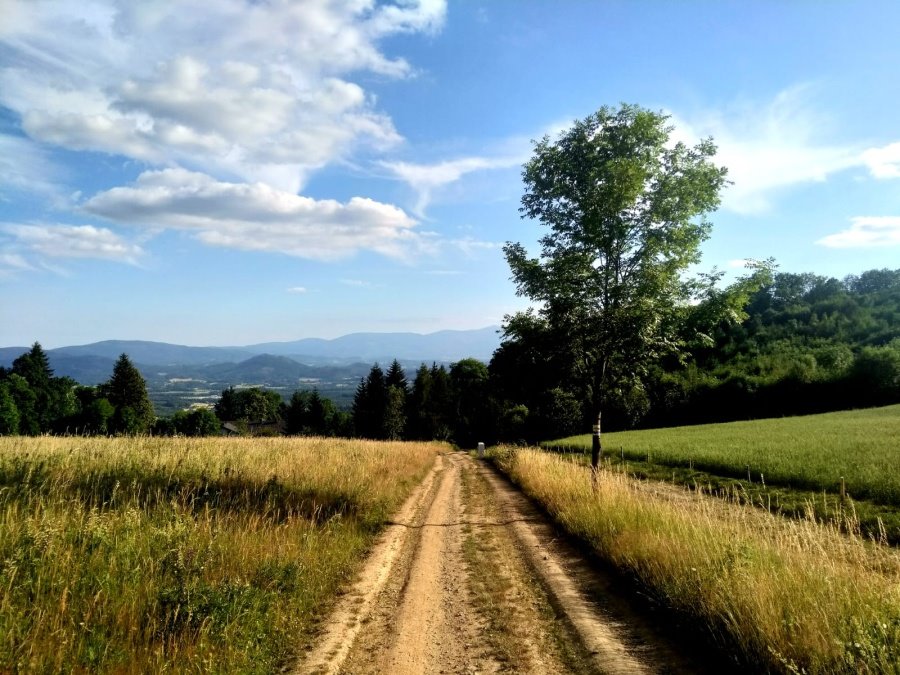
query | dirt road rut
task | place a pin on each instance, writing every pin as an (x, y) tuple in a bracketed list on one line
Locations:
[(469, 578)]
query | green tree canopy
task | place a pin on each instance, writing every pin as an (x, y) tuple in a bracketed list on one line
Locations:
[(626, 212), (126, 390)]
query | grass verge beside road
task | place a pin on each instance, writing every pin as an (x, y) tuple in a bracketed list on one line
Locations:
[(143, 555), (789, 596)]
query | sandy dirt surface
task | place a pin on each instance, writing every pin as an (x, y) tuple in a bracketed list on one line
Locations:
[(470, 578)]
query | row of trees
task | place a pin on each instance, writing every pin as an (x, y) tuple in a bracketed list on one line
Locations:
[(34, 401)]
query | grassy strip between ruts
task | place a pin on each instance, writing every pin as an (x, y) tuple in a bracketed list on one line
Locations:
[(145, 555), (795, 464), (786, 596)]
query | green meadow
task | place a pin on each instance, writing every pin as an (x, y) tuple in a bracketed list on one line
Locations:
[(795, 464)]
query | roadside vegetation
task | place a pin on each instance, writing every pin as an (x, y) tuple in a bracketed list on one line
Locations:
[(791, 465), (143, 555), (786, 596)]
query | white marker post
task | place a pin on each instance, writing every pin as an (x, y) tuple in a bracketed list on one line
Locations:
[(481, 450)]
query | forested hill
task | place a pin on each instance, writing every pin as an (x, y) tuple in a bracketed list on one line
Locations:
[(809, 343)]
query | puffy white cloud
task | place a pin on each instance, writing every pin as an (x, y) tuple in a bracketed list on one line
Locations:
[(883, 162), (768, 148), (258, 217), (74, 241), (256, 90), (866, 232)]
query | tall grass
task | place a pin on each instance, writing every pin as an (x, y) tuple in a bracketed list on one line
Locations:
[(787, 596), (811, 452), (145, 555)]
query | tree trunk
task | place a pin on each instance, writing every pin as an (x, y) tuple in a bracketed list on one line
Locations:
[(596, 451)]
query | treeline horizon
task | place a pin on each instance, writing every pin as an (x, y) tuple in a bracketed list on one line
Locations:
[(806, 344)]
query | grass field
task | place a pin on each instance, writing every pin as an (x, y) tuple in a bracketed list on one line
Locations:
[(795, 463), (784, 596), (151, 555)]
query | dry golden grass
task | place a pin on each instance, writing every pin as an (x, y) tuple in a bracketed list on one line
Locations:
[(789, 596), (144, 555)]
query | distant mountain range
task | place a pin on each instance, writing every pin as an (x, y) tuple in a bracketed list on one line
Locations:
[(178, 375), (443, 346)]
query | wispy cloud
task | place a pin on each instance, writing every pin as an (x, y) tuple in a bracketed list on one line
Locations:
[(866, 232), (469, 245), (425, 179), (26, 167), (13, 263), (257, 217), (770, 147), (297, 290), (75, 241), (263, 91), (356, 283)]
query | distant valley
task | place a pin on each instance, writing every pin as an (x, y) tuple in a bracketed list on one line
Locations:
[(179, 375)]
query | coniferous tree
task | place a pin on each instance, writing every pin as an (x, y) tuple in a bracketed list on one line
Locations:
[(34, 367), (126, 390), (321, 414), (418, 403), (395, 376), (439, 409), (370, 405), (297, 414)]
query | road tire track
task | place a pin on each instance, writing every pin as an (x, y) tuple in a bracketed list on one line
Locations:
[(471, 578)]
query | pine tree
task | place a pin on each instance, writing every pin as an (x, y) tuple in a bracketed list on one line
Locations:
[(396, 377), (370, 405), (298, 413), (417, 404), (126, 390), (34, 367)]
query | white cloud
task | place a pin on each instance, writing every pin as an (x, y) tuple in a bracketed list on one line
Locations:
[(356, 283), (13, 263), (257, 217), (866, 232), (426, 178), (256, 90), (469, 245), (883, 162), (738, 263), (25, 167), (297, 290), (769, 148), (74, 241)]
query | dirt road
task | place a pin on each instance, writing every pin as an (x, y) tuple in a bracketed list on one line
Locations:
[(470, 578)]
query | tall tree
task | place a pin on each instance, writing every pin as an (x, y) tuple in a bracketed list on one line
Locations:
[(625, 208), (34, 367), (417, 405), (126, 390), (395, 376), (370, 405), (475, 416), (9, 413)]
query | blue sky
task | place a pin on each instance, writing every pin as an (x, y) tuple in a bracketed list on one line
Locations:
[(232, 172)]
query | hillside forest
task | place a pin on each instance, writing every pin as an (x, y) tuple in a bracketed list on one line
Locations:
[(801, 343)]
